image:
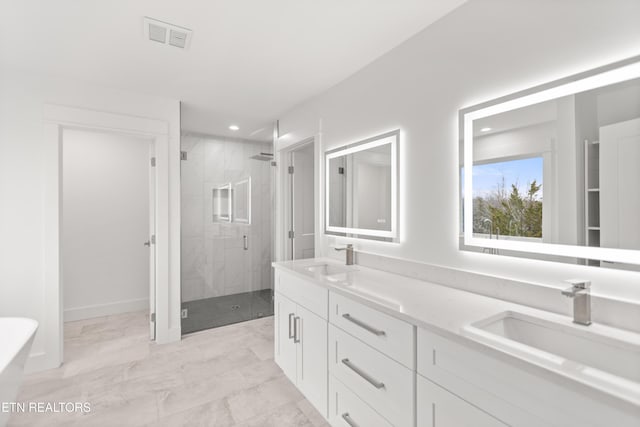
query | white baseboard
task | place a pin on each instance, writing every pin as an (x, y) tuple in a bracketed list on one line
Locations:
[(40, 361), (98, 310), (169, 336)]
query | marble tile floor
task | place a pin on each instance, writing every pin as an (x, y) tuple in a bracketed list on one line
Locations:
[(221, 377), (226, 309)]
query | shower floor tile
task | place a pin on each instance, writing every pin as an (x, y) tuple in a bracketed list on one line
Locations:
[(227, 309)]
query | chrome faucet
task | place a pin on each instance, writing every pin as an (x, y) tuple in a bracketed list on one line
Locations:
[(349, 250), (580, 292)]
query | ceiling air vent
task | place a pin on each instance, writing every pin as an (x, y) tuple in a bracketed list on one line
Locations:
[(165, 33), (157, 33), (177, 38)]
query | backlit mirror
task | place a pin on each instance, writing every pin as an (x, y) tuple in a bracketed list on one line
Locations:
[(554, 172), (362, 189)]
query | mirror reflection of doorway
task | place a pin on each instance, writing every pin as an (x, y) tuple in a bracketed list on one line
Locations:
[(301, 203)]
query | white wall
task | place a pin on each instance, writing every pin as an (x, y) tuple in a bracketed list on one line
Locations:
[(105, 214), (22, 98), (483, 50)]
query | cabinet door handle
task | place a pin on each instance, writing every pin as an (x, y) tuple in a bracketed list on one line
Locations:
[(363, 325), (347, 418), (368, 378), (296, 329), (291, 335)]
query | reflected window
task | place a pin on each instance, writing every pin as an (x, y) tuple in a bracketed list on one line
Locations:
[(507, 198)]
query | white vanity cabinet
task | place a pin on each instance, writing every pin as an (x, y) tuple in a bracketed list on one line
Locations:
[(301, 336), (362, 366)]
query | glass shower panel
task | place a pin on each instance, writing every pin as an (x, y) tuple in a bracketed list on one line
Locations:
[(226, 231)]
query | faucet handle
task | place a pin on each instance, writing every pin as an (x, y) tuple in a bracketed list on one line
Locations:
[(579, 283), (346, 248)]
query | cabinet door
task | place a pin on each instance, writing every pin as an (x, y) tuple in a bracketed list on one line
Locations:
[(312, 358), (285, 347), (439, 408)]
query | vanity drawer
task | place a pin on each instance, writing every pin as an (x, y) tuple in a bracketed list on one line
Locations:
[(378, 380), (313, 297), (387, 334), (348, 410)]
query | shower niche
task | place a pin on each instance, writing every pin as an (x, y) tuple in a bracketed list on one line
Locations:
[(232, 202)]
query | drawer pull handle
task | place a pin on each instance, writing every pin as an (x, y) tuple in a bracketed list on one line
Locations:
[(291, 335), (368, 378), (296, 322), (363, 325), (349, 420)]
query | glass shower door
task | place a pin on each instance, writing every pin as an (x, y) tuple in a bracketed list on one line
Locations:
[(226, 231)]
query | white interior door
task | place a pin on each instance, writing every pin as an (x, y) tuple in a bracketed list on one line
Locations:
[(302, 235), (151, 242), (619, 178)]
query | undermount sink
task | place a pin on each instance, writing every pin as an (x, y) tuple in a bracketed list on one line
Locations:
[(608, 362), (330, 269)]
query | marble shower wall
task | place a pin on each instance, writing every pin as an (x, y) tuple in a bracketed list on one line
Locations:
[(214, 261)]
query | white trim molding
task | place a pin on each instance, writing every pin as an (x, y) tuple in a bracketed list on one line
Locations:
[(56, 119)]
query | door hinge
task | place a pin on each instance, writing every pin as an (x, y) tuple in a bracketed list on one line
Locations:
[(153, 317), (290, 169), (291, 234), (153, 162), (153, 239), (183, 155)]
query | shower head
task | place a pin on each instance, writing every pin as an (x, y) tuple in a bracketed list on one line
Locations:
[(263, 156)]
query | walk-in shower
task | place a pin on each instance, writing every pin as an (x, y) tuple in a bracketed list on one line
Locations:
[(226, 231)]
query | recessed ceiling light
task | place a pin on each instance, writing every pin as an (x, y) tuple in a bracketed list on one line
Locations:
[(485, 129), (234, 127)]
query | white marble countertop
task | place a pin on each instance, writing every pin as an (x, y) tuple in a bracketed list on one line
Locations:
[(438, 308)]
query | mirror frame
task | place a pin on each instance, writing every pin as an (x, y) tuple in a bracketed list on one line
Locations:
[(392, 138), (610, 74)]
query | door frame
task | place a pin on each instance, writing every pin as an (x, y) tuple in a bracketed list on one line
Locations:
[(284, 202), (152, 239), (56, 119)]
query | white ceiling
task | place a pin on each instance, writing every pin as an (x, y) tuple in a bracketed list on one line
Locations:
[(249, 60)]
